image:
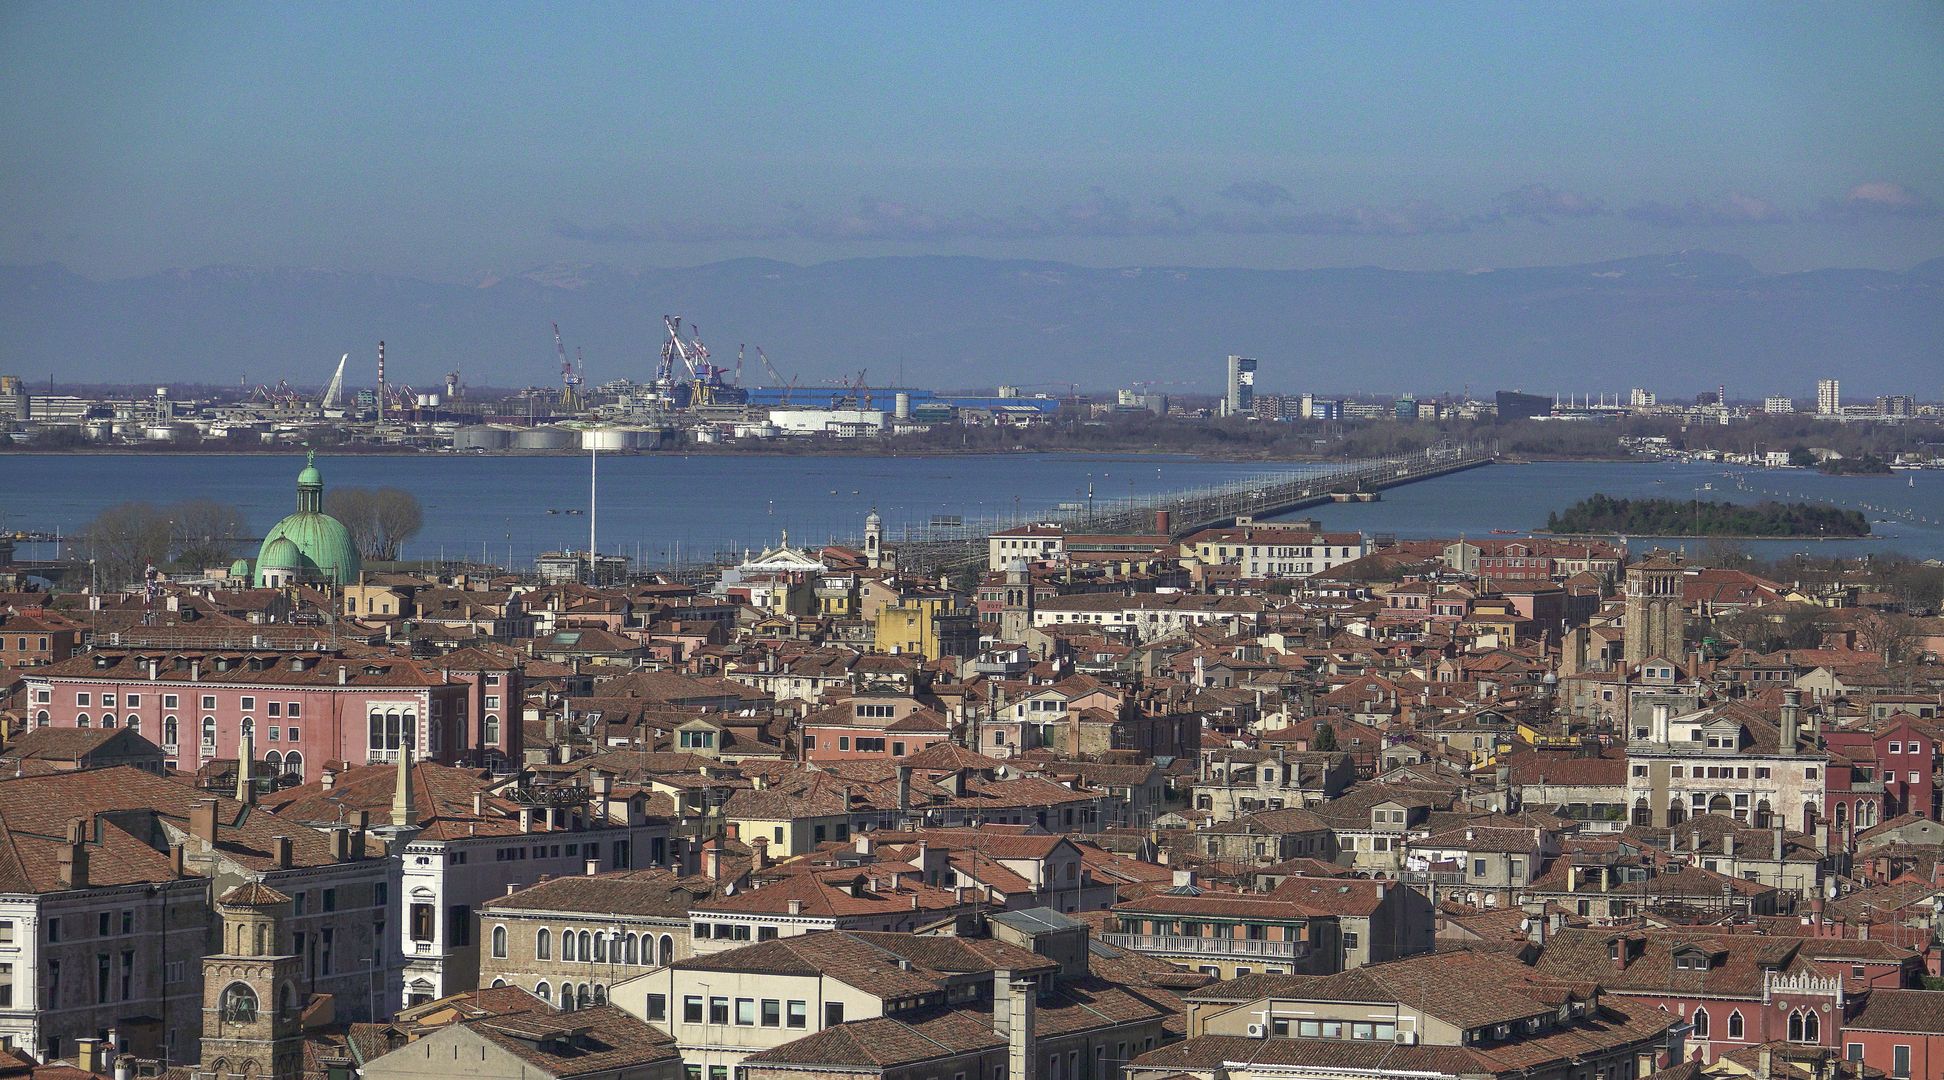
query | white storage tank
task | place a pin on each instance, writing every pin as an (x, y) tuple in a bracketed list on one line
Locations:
[(902, 404), (610, 438)]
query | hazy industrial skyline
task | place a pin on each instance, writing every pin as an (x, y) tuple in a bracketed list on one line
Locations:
[(449, 142)]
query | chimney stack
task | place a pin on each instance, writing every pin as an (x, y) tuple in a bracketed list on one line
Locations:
[(1791, 719), (904, 788), (73, 869), (280, 852), (202, 821), (1015, 997), (759, 853)]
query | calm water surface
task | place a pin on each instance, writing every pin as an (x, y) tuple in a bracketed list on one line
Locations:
[(653, 505)]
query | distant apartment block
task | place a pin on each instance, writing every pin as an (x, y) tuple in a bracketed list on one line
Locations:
[(1829, 397), (1240, 397)]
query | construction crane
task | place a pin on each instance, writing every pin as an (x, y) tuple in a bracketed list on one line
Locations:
[(858, 395), (570, 380), (704, 384), (787, 384)]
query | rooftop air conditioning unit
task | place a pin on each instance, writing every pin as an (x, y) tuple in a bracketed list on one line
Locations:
[(1407, 1038), (1257, 1031)]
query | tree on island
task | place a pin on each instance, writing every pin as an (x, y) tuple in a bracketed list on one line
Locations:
[(380, 521), (194, 535)]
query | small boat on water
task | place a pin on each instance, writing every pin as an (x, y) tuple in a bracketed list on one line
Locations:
[(1505, 532)]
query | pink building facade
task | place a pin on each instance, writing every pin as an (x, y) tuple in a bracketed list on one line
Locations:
[(301, 709)]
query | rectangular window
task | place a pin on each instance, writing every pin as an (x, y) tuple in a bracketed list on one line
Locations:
[(209, 701), (1478, 867), (692, 1009), (796, 1014), (833, 1013), (746, 1012), (772, 1012), (273, 708), (293, 710), (1900, 1066), (169, 701), (657, 1006), (718, 1010), (248, 704)]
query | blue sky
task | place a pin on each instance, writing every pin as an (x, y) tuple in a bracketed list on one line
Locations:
[(451, 141)]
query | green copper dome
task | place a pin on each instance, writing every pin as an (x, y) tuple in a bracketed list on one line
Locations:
[(309, 547)]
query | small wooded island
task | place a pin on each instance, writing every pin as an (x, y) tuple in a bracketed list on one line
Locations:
[(1604, 515)]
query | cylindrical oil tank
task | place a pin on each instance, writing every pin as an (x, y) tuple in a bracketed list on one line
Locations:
[(902, 403), (543, 438), (482, 437), (610, 438)]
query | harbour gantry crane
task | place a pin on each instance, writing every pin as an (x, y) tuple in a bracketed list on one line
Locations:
[(570, 380)]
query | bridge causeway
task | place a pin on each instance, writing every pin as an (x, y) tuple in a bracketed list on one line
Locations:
[(937, 548)]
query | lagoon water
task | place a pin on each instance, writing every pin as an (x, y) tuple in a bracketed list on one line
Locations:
[(654, 506)]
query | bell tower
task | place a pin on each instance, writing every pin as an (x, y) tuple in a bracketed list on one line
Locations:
[(1655, 614), (251, 992), (1016, 615)]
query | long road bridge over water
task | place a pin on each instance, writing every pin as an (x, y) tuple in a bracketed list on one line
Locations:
[(951, 545)]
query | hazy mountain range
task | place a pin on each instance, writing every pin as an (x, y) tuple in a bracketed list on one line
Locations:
[(1675, 323)]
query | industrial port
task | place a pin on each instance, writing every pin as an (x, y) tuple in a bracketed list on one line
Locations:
[(693, 396)]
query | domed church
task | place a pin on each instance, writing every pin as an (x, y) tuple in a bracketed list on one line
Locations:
[(309, 547)]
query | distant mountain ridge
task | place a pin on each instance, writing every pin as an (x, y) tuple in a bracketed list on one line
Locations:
[(1676, 323)]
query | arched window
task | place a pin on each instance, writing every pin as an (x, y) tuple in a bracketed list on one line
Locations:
[(1811, 1026), (1795, 1026), (1643, 814), (497, 983), (107, 721), (42, 719), (632, 947), (583, 996), (567, 997), (499, 942), (540, 990), (600, 948), (1735, 1024), (1764, 815), (1809, 817), (294, 764), (249, 728), (543, 945), (239, 1004), (209, 732), (569, 946), (1700, 1023), (491, 733), (586, 945), (134, 723), (1842, 815), (275, 761), (169, 731), (1676, 812), (667, 950), (81, 720), (1720, 805), (600, 994)]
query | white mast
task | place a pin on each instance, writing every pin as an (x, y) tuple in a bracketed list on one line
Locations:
[(334, 394), (593, 505)]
